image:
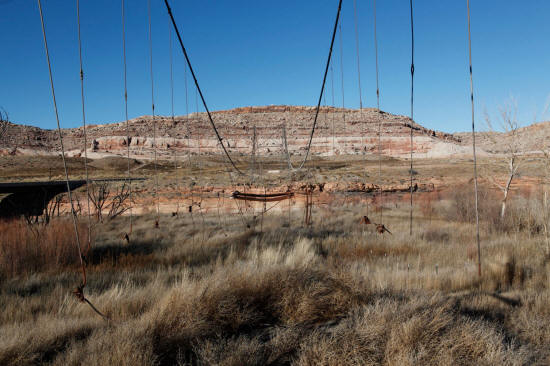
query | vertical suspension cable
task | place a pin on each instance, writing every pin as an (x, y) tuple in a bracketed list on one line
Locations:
[(333, 104), (187, 122), (378, 112), (199, 134), (128, 174), (359, 81), (85, 132), (199, 164), (60, 134), (173, 118), (474, 141), (171, 74), (412, 119), (357, 51), (153, 110), (342, 79), (79, 291), (326, 114)]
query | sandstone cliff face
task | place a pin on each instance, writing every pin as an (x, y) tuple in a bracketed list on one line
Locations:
[(339, 131)]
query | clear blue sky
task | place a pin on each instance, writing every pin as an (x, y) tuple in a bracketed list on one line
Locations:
[(273, 52)]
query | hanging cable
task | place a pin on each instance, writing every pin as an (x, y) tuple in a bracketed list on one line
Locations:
[(128, 141), (333, 104), (363, 137), (412, 119), (326, 115), (357, 51), (173, 119), (342, 80), (85, 132), (153, 110), (378, 113), (79, 291), (187, 123), (220, 140), (199, 89), (474, 142), (323, 85)]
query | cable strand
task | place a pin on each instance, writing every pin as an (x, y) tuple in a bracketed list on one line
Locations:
[(412, 121), (84, 130), (127, 123), (474, 141)]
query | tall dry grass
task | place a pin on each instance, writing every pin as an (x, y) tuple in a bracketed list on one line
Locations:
[(335, 293), (524, 213), (26, 249)]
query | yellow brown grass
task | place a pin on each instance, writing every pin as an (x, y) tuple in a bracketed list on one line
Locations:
[(26, 249), (333, 293)]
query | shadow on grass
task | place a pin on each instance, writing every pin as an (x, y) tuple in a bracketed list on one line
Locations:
[(113, 253)]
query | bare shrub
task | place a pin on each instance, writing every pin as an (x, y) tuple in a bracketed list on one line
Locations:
[(522, 214), (4, 119), (104, 198)]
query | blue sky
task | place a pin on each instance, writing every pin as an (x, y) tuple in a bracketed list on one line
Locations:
[(273, 52)]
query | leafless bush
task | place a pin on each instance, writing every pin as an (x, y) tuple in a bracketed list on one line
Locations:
[(104, 198), (4, 119), (524, 214), (53, 208), (513, 148)]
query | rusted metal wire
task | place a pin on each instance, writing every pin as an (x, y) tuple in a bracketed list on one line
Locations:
[(79, 291), (88, 249), (474, 142), (153, 111), (412, 119), (378, 110)]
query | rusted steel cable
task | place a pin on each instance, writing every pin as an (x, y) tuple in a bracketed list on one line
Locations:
[(85, 131), (357, 52), (220, 140), (153, 111), (79, 292), (333, 105), (378, 110), (323, 84), (363, 132), (173, 118), (412, 118), (342, 79), (128, 174), (474, 141)]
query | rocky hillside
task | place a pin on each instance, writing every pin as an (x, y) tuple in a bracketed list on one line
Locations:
[(339, 131), (531, 139)]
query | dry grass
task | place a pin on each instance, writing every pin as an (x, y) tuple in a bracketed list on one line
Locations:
[(27, 249), (333, 294)]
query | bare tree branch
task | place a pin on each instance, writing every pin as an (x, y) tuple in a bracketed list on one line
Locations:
[(511, 138)]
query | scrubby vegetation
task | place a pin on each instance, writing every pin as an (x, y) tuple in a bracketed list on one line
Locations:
[(211, 291)]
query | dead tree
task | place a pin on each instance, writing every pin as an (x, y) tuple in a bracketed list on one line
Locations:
[(99, 193), (121, 201), (512, 144), (114, 202), (4, 119), (544, 145), (53, 208)]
